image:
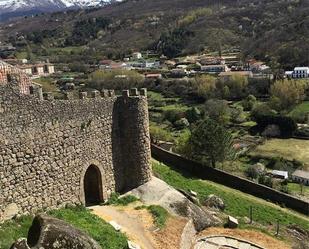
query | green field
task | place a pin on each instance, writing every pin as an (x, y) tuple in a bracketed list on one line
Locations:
[(296, 188), (237, 203), (290, 149), (80, 217)]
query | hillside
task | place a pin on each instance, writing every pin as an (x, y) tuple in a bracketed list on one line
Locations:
[(276, 31)]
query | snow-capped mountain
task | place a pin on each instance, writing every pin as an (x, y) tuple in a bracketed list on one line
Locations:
[(14, 7)]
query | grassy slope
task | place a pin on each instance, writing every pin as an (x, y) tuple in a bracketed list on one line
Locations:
[(285, 148), (300, 110), (79, 217), (237, 203)]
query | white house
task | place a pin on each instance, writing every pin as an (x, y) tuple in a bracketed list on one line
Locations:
[(280, 174), (301, 176), (300, 72), (215, 68), (137, 55)]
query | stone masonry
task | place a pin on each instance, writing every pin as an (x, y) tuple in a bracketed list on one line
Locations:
[(47, 145)]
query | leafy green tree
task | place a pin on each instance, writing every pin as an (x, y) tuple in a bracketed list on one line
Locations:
[(212, 142), (217, 110), (193, 114), (287, 93), (115, 79), (205, 86)]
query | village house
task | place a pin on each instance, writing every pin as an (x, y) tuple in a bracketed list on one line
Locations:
[(298, 73), (280, 174), (40, 69), (137, 55), (256, 66), (301, 176), (215, 68)]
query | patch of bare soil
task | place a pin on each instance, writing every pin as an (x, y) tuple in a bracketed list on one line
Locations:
[(139, 226), (256, 237), (170, 236)]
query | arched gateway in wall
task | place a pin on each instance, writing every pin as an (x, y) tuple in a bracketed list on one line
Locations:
[(92, 184)]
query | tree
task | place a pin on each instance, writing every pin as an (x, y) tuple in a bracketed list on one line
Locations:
[(235, 87), (218, 110), (286, 93), (212, 141), (115, 79), (205, 86)]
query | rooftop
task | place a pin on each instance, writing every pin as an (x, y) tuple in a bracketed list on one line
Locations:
[(301, 173)]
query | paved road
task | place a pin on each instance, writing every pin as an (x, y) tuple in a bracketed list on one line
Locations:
[(224, 242)]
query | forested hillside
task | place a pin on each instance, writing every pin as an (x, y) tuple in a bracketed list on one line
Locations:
[(275, 31)]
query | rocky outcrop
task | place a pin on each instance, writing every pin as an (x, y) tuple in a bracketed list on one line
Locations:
[(157, 192), (215, 202), (51, 233)]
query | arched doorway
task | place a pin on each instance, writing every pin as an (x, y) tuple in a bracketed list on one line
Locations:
[(93, 186)]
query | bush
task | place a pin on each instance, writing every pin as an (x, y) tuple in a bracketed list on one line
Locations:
[(159, 134), (248, 103), (266, 180), (182, 124), (173, 115), (193, 114), (252, 172)]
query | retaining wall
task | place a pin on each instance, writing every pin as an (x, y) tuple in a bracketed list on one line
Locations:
[(229, 180)]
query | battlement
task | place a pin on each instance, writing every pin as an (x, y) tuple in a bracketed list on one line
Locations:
[(49, 147), (37, 91)]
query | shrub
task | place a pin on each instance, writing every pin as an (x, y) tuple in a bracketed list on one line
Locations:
[(158, 134), (266, 180), (173, 115), (182, 123), (248, 103), (252, 172), (193, 114)]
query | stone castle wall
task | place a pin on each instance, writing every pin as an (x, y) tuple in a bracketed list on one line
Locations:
[(46, 147)]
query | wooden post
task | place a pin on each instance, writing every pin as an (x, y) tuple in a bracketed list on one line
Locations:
[(251, 214), (277, 229)]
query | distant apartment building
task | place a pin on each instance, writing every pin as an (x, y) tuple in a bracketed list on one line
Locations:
[(298, 73), (215, 68)]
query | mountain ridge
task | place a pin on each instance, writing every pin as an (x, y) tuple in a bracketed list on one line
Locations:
[(15, 8)]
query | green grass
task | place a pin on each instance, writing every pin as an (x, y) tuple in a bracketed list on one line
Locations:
[(159, 214), (79, 217), (10, 231), (300, 110), (116, 200), (289, 149), (237, 203), (295, 189), (47, 84)]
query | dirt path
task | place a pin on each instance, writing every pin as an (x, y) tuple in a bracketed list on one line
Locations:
[(132, 224)]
